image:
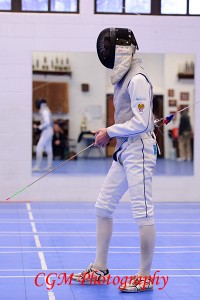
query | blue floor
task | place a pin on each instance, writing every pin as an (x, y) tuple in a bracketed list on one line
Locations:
[(164, 167), (60, 238)]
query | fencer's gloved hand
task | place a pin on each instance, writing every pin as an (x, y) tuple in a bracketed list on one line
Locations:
[(101, 137)]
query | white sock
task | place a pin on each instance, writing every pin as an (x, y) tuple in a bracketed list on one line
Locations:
[(103, 237), (147, 245)]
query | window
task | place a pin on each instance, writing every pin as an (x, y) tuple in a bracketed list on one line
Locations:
[(107, 6), (121, 6), (150, 7), (36, 5), (5, 5), (66, 6), (138, 6), (174, 7), (63, 5), (194, 7)]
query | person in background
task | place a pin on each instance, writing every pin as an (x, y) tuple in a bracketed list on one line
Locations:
[(185, 135), (58, 142), (45, 140)]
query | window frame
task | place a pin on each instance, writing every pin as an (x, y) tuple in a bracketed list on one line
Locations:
[(16, 6), (155, 10)]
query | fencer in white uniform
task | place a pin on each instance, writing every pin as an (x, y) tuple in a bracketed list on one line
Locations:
[(45, 141), (135, 154)]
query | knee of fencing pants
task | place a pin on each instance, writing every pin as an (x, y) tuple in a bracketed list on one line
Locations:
[(145, 221), (105, 206), (143, 215), (105, 213)]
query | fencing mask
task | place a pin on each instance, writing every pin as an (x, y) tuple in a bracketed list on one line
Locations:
[(115, 49), (107, 41), (39, 102)]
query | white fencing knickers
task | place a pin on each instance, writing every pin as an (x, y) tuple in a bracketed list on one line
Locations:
[(132, 171), (45, 143)]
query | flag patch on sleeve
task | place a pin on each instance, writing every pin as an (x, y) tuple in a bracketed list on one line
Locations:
[(141, 107)]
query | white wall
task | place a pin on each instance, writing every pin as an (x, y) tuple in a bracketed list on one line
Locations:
[(23, 34), (154, 65)]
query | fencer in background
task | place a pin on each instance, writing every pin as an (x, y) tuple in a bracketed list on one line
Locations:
[(134, 158), (45, 140), (185, 136)]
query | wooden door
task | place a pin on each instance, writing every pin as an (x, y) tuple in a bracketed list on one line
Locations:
[(158, 114), (56, 94)]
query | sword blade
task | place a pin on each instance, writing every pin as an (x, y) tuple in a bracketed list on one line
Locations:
[(20, 191)]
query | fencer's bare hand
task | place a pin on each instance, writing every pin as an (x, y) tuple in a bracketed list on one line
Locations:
[(101, 137)]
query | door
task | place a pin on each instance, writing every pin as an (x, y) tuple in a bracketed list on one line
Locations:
[(56, 94), (158, 114)]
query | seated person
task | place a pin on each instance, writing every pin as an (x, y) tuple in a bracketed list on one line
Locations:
[(58, 142)]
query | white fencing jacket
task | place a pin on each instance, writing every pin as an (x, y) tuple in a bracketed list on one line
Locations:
[(133, 101), (46, 117)]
